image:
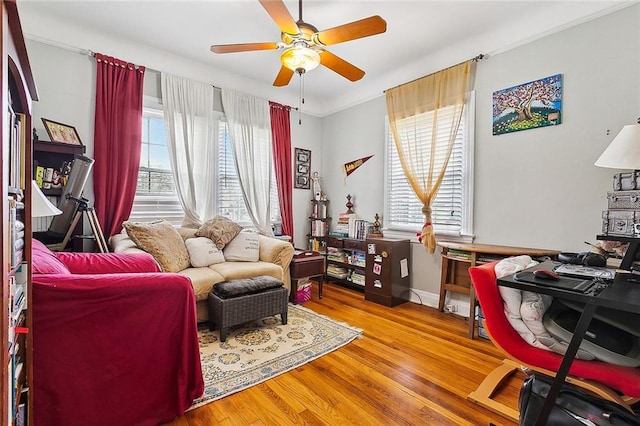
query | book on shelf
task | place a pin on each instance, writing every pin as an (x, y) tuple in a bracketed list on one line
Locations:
[(318, 228), (319, 210), (344, 222), (39, 176)]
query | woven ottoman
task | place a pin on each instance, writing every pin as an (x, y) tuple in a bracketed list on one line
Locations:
[(239, 301)]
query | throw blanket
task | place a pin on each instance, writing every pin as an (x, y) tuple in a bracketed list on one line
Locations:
[(524, 309)]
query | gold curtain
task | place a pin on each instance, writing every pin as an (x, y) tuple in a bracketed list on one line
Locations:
[(405, 104)]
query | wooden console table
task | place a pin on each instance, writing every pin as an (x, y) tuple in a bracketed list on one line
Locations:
[(457, 258)]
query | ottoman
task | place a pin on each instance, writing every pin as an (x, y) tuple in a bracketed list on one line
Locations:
[(239, 301)]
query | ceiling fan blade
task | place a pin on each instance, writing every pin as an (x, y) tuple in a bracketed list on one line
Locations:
[(284, 77), (353, 30), (280, 14), (242, 47), (339, 65)]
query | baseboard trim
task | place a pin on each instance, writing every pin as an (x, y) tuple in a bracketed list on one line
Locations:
[(426, 298)]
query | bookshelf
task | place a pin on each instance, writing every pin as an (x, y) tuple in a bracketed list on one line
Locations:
[(346, 262), (18, 93), (319, 223), (54, 156)]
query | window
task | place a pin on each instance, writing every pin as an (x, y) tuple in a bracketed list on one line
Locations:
[(451, 210), (156, 196), (230, 201)]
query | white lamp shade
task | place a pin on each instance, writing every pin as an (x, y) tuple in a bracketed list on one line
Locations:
[(624, 150), (40, 204)]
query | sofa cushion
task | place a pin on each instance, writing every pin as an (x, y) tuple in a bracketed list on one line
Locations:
[(220, 230), (162, 241), (202, 280), (245, 286), (235, 270), (245, 247), (203, 252), (44, 261)]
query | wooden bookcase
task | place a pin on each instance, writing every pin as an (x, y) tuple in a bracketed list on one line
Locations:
[(457, 258), (18, 92), (319, 223), (352, 259), (53, 154)]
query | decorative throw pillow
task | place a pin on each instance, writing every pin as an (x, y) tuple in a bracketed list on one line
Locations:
[(245, 247), (220, 230), (162, 241), (203, 252)]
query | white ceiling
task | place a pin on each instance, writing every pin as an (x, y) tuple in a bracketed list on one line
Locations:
[(422, 37)]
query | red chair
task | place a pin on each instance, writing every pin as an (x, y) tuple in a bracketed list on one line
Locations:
[(115, 341), (603, 379)]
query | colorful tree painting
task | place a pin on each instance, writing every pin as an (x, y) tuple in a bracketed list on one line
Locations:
[(526, 106)]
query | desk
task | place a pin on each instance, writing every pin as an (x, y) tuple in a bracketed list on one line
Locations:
[(458, 257), (621, 295)]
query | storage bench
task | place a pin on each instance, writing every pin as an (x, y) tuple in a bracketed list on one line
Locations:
[(244, 304)]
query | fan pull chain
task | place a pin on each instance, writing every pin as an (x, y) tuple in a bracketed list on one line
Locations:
[(301, 98)]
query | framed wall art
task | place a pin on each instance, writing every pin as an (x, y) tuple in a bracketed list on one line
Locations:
[(302, 172), (527, 106), (61, 133)]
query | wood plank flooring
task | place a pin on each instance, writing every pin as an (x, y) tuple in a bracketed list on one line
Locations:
[(413, 366)]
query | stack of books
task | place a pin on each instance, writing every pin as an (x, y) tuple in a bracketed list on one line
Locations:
[(337, 272), (345, 223)]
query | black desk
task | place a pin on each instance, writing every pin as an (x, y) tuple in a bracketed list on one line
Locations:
[(620, 295)]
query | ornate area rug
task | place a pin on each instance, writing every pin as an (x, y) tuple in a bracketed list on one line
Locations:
[(262, 349)]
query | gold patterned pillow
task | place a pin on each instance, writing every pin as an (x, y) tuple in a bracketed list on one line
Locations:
[(161, 240), (220, 230)]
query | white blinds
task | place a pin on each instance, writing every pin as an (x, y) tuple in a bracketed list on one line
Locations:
[(404, 208), (230, 201)]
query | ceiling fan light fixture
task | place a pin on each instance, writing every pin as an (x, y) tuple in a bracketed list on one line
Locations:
[(300, 59)]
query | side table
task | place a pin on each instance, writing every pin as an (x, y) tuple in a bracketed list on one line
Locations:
[(306, 264)]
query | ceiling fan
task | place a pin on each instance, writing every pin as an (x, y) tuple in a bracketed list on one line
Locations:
[(304, 46)]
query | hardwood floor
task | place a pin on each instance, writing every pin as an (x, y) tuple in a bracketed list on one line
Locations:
[(413, 366)]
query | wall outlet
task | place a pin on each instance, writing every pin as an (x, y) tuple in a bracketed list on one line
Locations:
[(451, 308)]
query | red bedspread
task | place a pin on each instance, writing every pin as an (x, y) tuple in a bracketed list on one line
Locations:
[(117, 349)]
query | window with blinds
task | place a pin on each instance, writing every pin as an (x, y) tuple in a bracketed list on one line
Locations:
[(451, 209), (156, 196), (230, 200)]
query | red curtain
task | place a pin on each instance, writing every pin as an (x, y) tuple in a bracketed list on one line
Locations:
[(281, 142), (117, 140)]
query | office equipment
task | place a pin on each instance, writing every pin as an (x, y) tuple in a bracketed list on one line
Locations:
[(580, 271)]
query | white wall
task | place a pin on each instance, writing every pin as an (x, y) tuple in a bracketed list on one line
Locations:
[(535, 188)]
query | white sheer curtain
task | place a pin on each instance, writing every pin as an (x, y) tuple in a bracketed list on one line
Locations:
[(249, 124), (191, 129)]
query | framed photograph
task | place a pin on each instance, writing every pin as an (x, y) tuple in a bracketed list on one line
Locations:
[(302, 169), (527, 106), (61, 133)]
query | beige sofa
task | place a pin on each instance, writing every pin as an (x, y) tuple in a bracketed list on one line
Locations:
[(275, 257)]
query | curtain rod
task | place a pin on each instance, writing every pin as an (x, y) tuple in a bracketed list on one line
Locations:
[(477, 58)]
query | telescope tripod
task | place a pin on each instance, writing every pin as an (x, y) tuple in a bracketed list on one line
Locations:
[(83, 208)]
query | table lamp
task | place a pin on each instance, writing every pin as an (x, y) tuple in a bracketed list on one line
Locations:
[(40, 204), (624, 150)]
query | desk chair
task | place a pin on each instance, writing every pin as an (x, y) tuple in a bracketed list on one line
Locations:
[(605, 380)]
